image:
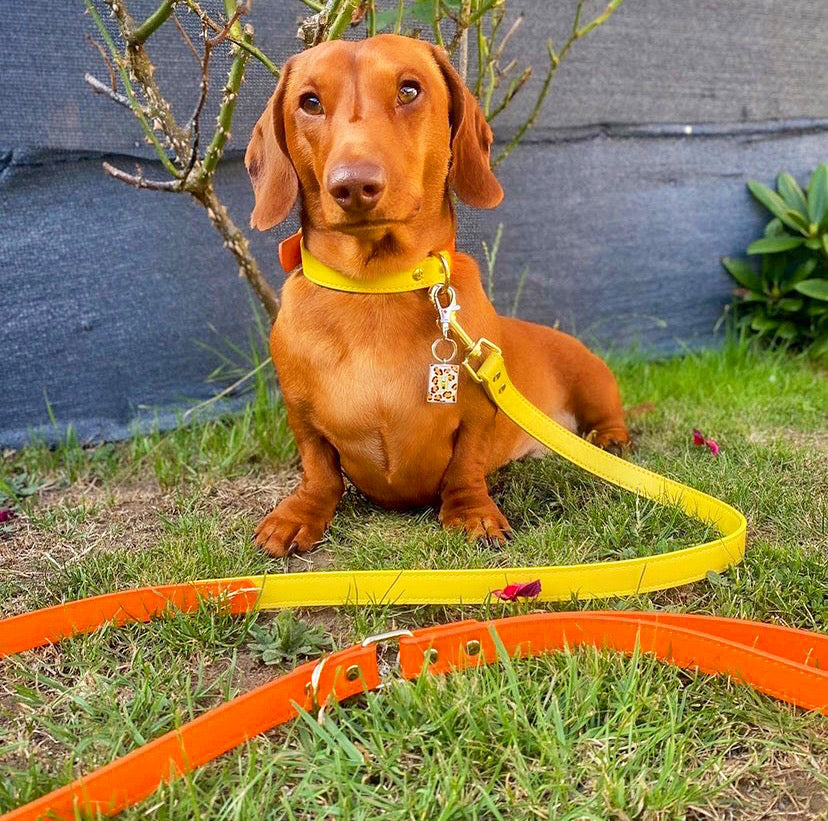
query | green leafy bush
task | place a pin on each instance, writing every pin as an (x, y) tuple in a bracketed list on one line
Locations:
[(786, 299)]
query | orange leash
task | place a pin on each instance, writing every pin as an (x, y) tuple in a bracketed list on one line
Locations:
[(789, 664)]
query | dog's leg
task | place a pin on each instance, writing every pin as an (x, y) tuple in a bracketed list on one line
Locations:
[(598, 409), (298, 522), (465, 501)]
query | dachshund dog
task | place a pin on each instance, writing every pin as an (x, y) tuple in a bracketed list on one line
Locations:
[(372, 137)]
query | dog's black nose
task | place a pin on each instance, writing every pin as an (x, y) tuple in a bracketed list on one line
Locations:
[(356, 187)]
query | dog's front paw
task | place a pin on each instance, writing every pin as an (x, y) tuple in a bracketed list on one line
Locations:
[(615, 440), (288, 529), (481, 520)]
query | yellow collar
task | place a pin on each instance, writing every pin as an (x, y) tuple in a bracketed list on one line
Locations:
[(433, 270)]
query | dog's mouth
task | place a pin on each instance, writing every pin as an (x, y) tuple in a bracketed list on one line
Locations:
[(366, 225)]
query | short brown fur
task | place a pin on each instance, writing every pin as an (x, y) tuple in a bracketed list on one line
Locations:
[(353, 368)]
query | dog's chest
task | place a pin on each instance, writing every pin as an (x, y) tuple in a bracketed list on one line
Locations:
[(359, 363)]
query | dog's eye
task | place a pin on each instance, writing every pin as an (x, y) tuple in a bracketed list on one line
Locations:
[(310, 104), (408, 93)]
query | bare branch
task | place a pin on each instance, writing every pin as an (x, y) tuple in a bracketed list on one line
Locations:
[(105, 57), (195, 119), (125, 22), (140, 181), (247, 45), (241, 10), (102, 88), (239, 246)]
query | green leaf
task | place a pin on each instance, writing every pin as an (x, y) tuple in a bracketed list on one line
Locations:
[(802, 222), (814, 288), (813, 243), (824, 239), (774, 245), (762, 323), (791, 304), (743, 273), (775, 229), (772, 201), (802, 271), (793, 195), (787, 330), (818, 194), (819, 348)]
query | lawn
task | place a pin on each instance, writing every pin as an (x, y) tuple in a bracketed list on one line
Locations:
[(587, 734)]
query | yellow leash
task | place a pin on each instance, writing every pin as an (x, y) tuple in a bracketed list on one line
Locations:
[(484, 363)]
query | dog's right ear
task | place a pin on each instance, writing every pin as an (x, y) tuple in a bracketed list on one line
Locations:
[(274, 179)]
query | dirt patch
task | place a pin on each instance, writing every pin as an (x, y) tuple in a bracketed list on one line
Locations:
[(61, 526), (783, 790)]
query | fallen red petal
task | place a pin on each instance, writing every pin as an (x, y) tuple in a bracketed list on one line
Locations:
[(524, 590), (698, 437), (6, 515), (713, 445), (508, 593)]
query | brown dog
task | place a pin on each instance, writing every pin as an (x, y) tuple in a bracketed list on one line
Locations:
[(372, 136)]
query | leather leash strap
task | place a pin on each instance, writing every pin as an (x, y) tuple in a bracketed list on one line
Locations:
[(791, 665)]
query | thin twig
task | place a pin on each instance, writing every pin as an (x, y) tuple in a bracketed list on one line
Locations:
[(248, 46), (555, 58), (107, 62), (186, 37), (140, 181), (103, 88), (240, 10), (195, 119), (515, 86)]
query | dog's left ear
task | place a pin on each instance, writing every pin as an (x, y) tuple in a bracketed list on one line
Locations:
[(470, 173), (271, 172)]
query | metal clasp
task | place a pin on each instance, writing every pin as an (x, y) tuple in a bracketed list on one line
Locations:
[(445, 312)]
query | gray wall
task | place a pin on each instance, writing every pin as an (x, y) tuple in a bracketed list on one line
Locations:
[(618, 206)]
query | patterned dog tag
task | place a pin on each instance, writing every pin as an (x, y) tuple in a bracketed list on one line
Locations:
[(443, 380)]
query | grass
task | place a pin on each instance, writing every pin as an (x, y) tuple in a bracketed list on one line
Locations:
[(586, 734)]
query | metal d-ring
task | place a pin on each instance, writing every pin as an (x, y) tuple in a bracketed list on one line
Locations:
[(449, 341), (446, 267)]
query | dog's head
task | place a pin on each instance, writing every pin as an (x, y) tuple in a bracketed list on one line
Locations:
[(369, 132)]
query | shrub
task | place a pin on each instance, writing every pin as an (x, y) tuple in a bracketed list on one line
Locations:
[(786, 299)]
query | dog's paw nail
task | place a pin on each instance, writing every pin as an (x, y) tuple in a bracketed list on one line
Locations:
[(293, 550), (508, 535)]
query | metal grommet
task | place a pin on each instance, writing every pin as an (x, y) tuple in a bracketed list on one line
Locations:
[(352, 673), (496, 377), (501, 389), (431, 655), (472, 647), (418, 274)]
